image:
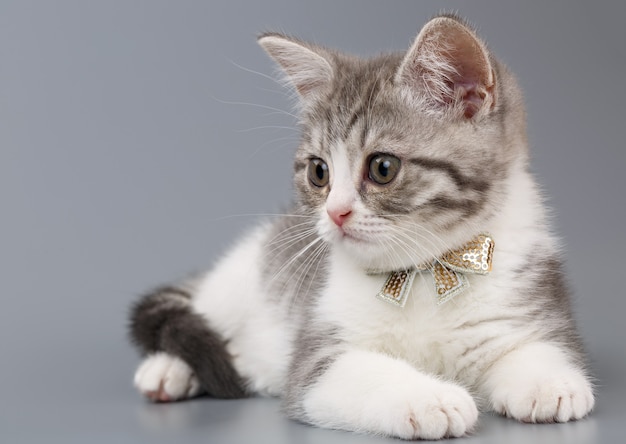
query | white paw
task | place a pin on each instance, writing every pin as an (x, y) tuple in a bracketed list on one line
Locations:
[(537, 383), (546, 398), (440, 411), (373, 393), (163, 377)]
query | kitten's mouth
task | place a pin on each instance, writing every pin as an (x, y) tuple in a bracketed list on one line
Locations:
[(347, 235)]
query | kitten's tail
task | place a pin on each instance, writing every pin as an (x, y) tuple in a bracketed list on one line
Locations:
[(163, 320)]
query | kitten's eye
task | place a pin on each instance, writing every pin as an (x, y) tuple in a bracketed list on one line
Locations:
[(318, 172), (383, 168)]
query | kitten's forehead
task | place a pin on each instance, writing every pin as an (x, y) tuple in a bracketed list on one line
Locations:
[(359, 90), (359, 134), (363, 113)]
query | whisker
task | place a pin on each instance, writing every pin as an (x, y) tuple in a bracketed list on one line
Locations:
[(443, 245), (407, 235), (283, 244), (271, 108), (291, 235), (280, 91), (392, 251), (232, 216), (300, 227), (254, 72), (293, 259), (433, 237), (291, 139), (276, 127), (404, 248), (315, 257)]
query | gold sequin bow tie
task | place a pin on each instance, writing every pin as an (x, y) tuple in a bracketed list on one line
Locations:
[(448, 272)]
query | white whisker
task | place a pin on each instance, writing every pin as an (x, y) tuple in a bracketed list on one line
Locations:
[(315, 256), (282, 244), (293, 259), (232, 216), (407, 235), (275, 127), (257, 105), (255, 72), (290, 139)]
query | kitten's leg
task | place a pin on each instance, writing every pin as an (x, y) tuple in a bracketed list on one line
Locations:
[(538, 383), (163, 377), (374, 393), (164, 321)]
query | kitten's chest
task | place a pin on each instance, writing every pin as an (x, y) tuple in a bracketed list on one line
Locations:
[(422, 332)]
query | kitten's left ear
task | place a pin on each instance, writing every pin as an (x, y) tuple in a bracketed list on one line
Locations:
[(448, 69), (307, 67)]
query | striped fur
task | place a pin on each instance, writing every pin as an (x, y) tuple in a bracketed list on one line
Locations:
[(291, 310), (164, 321)]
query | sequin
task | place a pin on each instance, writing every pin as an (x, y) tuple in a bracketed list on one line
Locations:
[(397, 286), (448, 283), (475, 257)]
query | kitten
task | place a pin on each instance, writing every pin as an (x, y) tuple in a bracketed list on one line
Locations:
[(411, 168)]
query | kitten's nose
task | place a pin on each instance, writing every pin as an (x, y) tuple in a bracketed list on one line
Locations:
[(339, 215)]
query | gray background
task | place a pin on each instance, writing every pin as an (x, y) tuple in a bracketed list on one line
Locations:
[(128, 158)]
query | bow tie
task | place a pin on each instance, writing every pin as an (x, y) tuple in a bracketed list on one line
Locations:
[(448, 272)]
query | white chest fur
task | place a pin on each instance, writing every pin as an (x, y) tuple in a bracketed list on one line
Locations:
[(443, 339)]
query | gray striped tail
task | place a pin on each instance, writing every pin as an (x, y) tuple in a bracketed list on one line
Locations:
[(163, 320)]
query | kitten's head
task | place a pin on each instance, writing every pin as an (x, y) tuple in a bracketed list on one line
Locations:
[(403, 156)]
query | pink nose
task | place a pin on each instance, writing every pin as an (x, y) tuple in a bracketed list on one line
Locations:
[(339, 215)]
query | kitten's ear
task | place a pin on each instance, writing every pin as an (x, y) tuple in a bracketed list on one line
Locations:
[(307, 68), (448, 69)]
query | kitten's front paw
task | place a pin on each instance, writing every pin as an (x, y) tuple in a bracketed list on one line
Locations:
[(444, 410), (163, 377), (546, 398), (428, 409)]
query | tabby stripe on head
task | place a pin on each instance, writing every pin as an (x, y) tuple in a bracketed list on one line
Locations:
[(462, 181), (353, 120), (368, 104), (163, 320), (364, 132), (299, 166), (469, 207)]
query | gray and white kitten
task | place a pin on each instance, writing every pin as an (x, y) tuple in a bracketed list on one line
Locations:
[(403, 158)]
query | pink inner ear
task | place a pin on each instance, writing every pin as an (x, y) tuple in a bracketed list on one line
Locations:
[(451, 68), (472, 96), (472, 80)]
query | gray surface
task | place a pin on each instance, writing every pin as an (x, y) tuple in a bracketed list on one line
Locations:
[(123, 166)]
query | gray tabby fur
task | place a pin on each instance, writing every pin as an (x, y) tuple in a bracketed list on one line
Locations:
[(456, 170)]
